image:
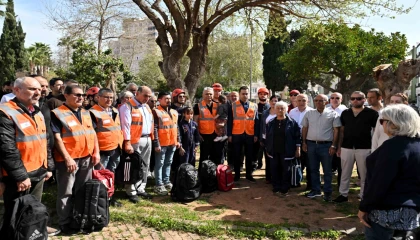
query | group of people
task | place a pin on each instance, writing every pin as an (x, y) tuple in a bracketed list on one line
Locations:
[(64, 131)]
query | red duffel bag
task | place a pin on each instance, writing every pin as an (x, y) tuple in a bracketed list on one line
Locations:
[(107, 179), (224, 178)]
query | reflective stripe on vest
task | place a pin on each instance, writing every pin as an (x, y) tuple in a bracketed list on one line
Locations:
[(108, 131), (243, 122), (78, 138), (206, 121), (31, 136), (136, 127), (168, 127)]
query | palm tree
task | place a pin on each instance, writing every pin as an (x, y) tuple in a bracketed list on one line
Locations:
[(66, 42), (39, 57)]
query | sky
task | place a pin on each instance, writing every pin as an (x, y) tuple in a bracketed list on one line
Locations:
[(34, 23)]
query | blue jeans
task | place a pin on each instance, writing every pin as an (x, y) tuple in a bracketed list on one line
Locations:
[(377, 232), (163, 161), (318, 153), (110, 162)]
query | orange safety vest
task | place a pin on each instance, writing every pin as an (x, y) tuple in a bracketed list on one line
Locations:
[(78, 138), (31, 136), (108, 131), (137, 122), (168, 127), (243, 122), (206, 121)]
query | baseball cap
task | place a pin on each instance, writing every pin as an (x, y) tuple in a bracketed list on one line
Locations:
[(294, 91), (92, 91)]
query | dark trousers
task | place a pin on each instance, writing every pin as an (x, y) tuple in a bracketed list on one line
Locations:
[(246, 141), (258, 152), (11, 193), (280, 173), (211, 150), (337, 164), (189, 156), (304, 165), (267, 161)]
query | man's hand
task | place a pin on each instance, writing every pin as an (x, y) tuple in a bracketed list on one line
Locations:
[(157, 149), (363, 216), (338, 152), (24, 185), (71, 165), (181, 152), (304, 147), (96, 158), (255, 139), (230, 139), (297, 153), (49, 174), (178, 145), (332, 151), (128, 148)]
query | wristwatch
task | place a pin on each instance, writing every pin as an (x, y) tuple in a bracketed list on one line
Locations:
[(333, 146)]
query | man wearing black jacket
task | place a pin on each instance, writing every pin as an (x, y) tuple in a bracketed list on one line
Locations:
[(25, 163)]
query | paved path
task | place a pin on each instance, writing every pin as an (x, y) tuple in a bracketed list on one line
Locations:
[(131, 231)]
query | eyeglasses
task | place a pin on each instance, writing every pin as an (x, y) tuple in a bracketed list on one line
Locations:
[(356, 98), (332, 98), (181, 96), (79, 95), (294, 95), (381, 121), (107, 97)]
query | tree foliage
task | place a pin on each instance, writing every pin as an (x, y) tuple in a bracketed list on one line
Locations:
[(39, 58), (12, 51), (90, 68), (95, 20), (277, 43), (184, 26), (337, 52)]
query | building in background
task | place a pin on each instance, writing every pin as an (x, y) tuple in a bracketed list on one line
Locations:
[(137, 41)]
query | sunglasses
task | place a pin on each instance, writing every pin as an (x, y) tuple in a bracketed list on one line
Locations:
[(294, 95), (79, 95), (181, 96), (381, 121), (332, 98), (356, 98)]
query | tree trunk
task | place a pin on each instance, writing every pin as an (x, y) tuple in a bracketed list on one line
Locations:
[(171, 70), (390, 82), (198, 59)]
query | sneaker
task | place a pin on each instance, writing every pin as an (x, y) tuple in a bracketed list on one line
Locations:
[(218, 139), (327, 197), (144, 195), (132, 198), (341, 199), (161, 190), (313, 194), (168, 187), (224, 138), (115, 203), (53, 231), (251, 179)]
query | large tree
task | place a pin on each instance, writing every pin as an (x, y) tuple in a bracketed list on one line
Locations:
[(184, 26), (11, 45), (329, 54), (277, 42), (39, 58), (94, 20)]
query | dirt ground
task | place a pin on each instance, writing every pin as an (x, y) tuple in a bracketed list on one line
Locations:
[(255, 202)]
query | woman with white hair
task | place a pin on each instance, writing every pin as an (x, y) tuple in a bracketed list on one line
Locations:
[(125, 96), (391, 199), (282, 144)]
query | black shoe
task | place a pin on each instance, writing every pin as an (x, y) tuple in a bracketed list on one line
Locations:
[(67, 230), (259, 166), (145, 195), (236, 178), (327, 197), (284, 194), (133, 198), (115, 203), (251, 179), (341, 199)]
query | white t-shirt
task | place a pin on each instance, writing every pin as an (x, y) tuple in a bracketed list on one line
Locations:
[(338, 110), (297, 115), (7, 97)]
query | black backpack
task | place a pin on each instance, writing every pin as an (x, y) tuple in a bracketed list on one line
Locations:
[(28, 220), (129, 170), (91, 207), (208, 176), (187, 184)]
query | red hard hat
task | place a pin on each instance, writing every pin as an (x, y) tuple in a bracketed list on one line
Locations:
[(92, 91), (263, 90), (177, 91), (217, 86)]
